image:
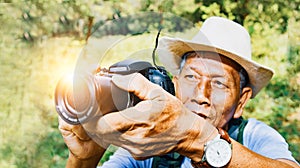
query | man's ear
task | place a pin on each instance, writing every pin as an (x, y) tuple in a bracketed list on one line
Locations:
[(174, 80), (177, 90), (244, 98)]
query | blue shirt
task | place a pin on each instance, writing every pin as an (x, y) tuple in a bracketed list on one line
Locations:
[(257, 137)]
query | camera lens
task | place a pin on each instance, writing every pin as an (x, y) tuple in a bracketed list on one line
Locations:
[(78, 98), (75, 99)]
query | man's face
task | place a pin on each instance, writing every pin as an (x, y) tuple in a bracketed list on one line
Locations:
[(209, 85)]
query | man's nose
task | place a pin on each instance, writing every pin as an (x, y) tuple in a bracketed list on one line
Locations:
[(202, 93)]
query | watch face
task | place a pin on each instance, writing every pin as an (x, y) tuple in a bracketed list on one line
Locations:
[(218, 153)]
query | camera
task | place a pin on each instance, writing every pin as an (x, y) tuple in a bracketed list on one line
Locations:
[(83, 97)]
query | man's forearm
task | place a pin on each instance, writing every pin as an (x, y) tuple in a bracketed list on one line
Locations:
[(243, 157), (74, 162)]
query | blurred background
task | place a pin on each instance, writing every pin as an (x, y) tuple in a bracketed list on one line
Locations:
[(42, 40)]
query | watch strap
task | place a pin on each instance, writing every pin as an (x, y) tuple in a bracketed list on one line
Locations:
[(224, 135), (203, 163), (199, 164)]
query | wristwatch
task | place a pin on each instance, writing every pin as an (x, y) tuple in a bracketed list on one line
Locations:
[(217, 152)]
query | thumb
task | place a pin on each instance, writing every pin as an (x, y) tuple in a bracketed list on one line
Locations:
[(69, 130), (137, 84)]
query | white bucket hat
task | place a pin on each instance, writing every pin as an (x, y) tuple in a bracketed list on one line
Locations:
[(222, 36)]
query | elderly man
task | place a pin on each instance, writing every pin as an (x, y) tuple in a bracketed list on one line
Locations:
[(214, 78)]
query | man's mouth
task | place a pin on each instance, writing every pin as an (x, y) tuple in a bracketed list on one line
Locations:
[(201, 115)]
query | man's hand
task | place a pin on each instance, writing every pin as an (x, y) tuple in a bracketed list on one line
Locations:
[(157, 125), (82, 148)]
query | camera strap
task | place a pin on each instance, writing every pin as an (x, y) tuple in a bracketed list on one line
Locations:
[(170, 160), (236, 129)]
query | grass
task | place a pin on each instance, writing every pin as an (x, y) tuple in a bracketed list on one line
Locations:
[(29, 135)]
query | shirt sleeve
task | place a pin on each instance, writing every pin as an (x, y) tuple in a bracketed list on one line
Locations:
[(123, 159), (266, 141)]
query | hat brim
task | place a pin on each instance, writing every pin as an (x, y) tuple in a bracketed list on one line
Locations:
[(170, 51)]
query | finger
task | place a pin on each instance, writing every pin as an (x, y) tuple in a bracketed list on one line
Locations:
[(140, 158), (154, 101), (112, 124), (137, 84), (131, 121), (139, 116), (68, 129)]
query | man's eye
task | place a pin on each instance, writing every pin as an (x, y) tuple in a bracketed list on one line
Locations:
[(190, 77), (219, 84)]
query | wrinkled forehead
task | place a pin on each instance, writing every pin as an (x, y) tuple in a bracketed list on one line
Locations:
[(200, 56)]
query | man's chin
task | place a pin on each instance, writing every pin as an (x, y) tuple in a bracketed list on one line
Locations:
[(212, 122)]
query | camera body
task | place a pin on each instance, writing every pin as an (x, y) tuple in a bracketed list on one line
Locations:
[(81, 98)]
